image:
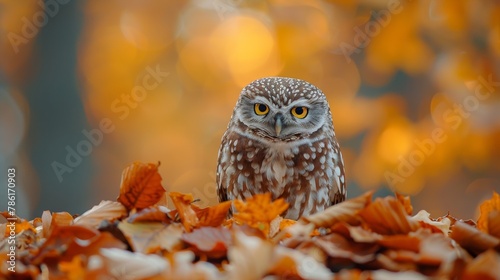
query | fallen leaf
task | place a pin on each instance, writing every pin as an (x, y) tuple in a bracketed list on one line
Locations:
[(406, 202), (340, 249), (73, 269), (485, 208), (65, 242), (387, 216), (485, 266), (151, 214), (494, 223), (131, 266), (441, 226), (472, 239), (212, 216), (184, 268), (183, 204), (140, 186), (293, 264), (258, 211), (107, 210), (242, 263), (401, 242), (210, 241), (345, 211), (151, 237)]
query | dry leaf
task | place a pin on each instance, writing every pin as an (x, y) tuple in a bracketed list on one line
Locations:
[(494, 223), (258, 211), (183, 204), (387, 216), (212, 216), (65, 242), (151, 237), (210, 241), (107, 210), (345, 211), (293, 264), (184, 269), (140, 186), (485, 208), (406, 202), (242, 261), (485, 266), (341, 249), (73, 269), (441, 226), (471, 239), (132, 266), (151, 214)]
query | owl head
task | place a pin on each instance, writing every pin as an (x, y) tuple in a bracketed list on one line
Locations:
[(282, 108)]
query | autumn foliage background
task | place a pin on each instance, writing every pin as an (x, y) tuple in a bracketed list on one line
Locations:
[(393, 72)]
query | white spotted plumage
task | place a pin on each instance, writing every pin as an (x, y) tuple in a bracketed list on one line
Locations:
[(294, 157)]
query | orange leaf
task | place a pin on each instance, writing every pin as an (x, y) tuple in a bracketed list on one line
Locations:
[(258, 211), (186, 212), (140, 186), (388, 216), (151, 214), (212, 216), (150, 237), (74, 269), (65, 242), (472, 239), (406, 202), (212, 241), (106, 210), (342, 212), (485, 208)]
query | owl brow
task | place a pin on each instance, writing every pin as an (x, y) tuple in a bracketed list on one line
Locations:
[(259, 99)]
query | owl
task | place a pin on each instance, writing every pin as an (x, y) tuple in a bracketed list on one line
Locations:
[(281, 140)]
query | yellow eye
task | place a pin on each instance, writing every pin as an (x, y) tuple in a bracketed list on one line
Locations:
[(300, 112), (260, 109)]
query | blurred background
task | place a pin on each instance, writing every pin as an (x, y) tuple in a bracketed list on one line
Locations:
[(87, 87)]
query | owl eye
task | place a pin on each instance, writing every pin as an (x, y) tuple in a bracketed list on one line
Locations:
[(300, 112), (261, 109)]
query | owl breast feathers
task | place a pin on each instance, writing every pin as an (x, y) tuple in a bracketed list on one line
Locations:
[(281, 140)]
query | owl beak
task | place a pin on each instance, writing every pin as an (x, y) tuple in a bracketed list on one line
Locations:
[(278, 124)]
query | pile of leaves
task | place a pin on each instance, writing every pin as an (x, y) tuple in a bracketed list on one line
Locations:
[(140, 236)]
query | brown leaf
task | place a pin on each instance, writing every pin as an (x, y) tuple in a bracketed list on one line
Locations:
[(494, 223), (50, 221), (106, 210), (387, 216), (258, 211), (401, 242), (437, 226), (127, 265), (485, 208), (151, 214), (212, 216), (183, 204), (472, 239), (356, 233), (211, 241), (151, 237), (65, 242), (339, 247), (140, 186), (242, 261), (406, 202), (485, 266), (345, 211)]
